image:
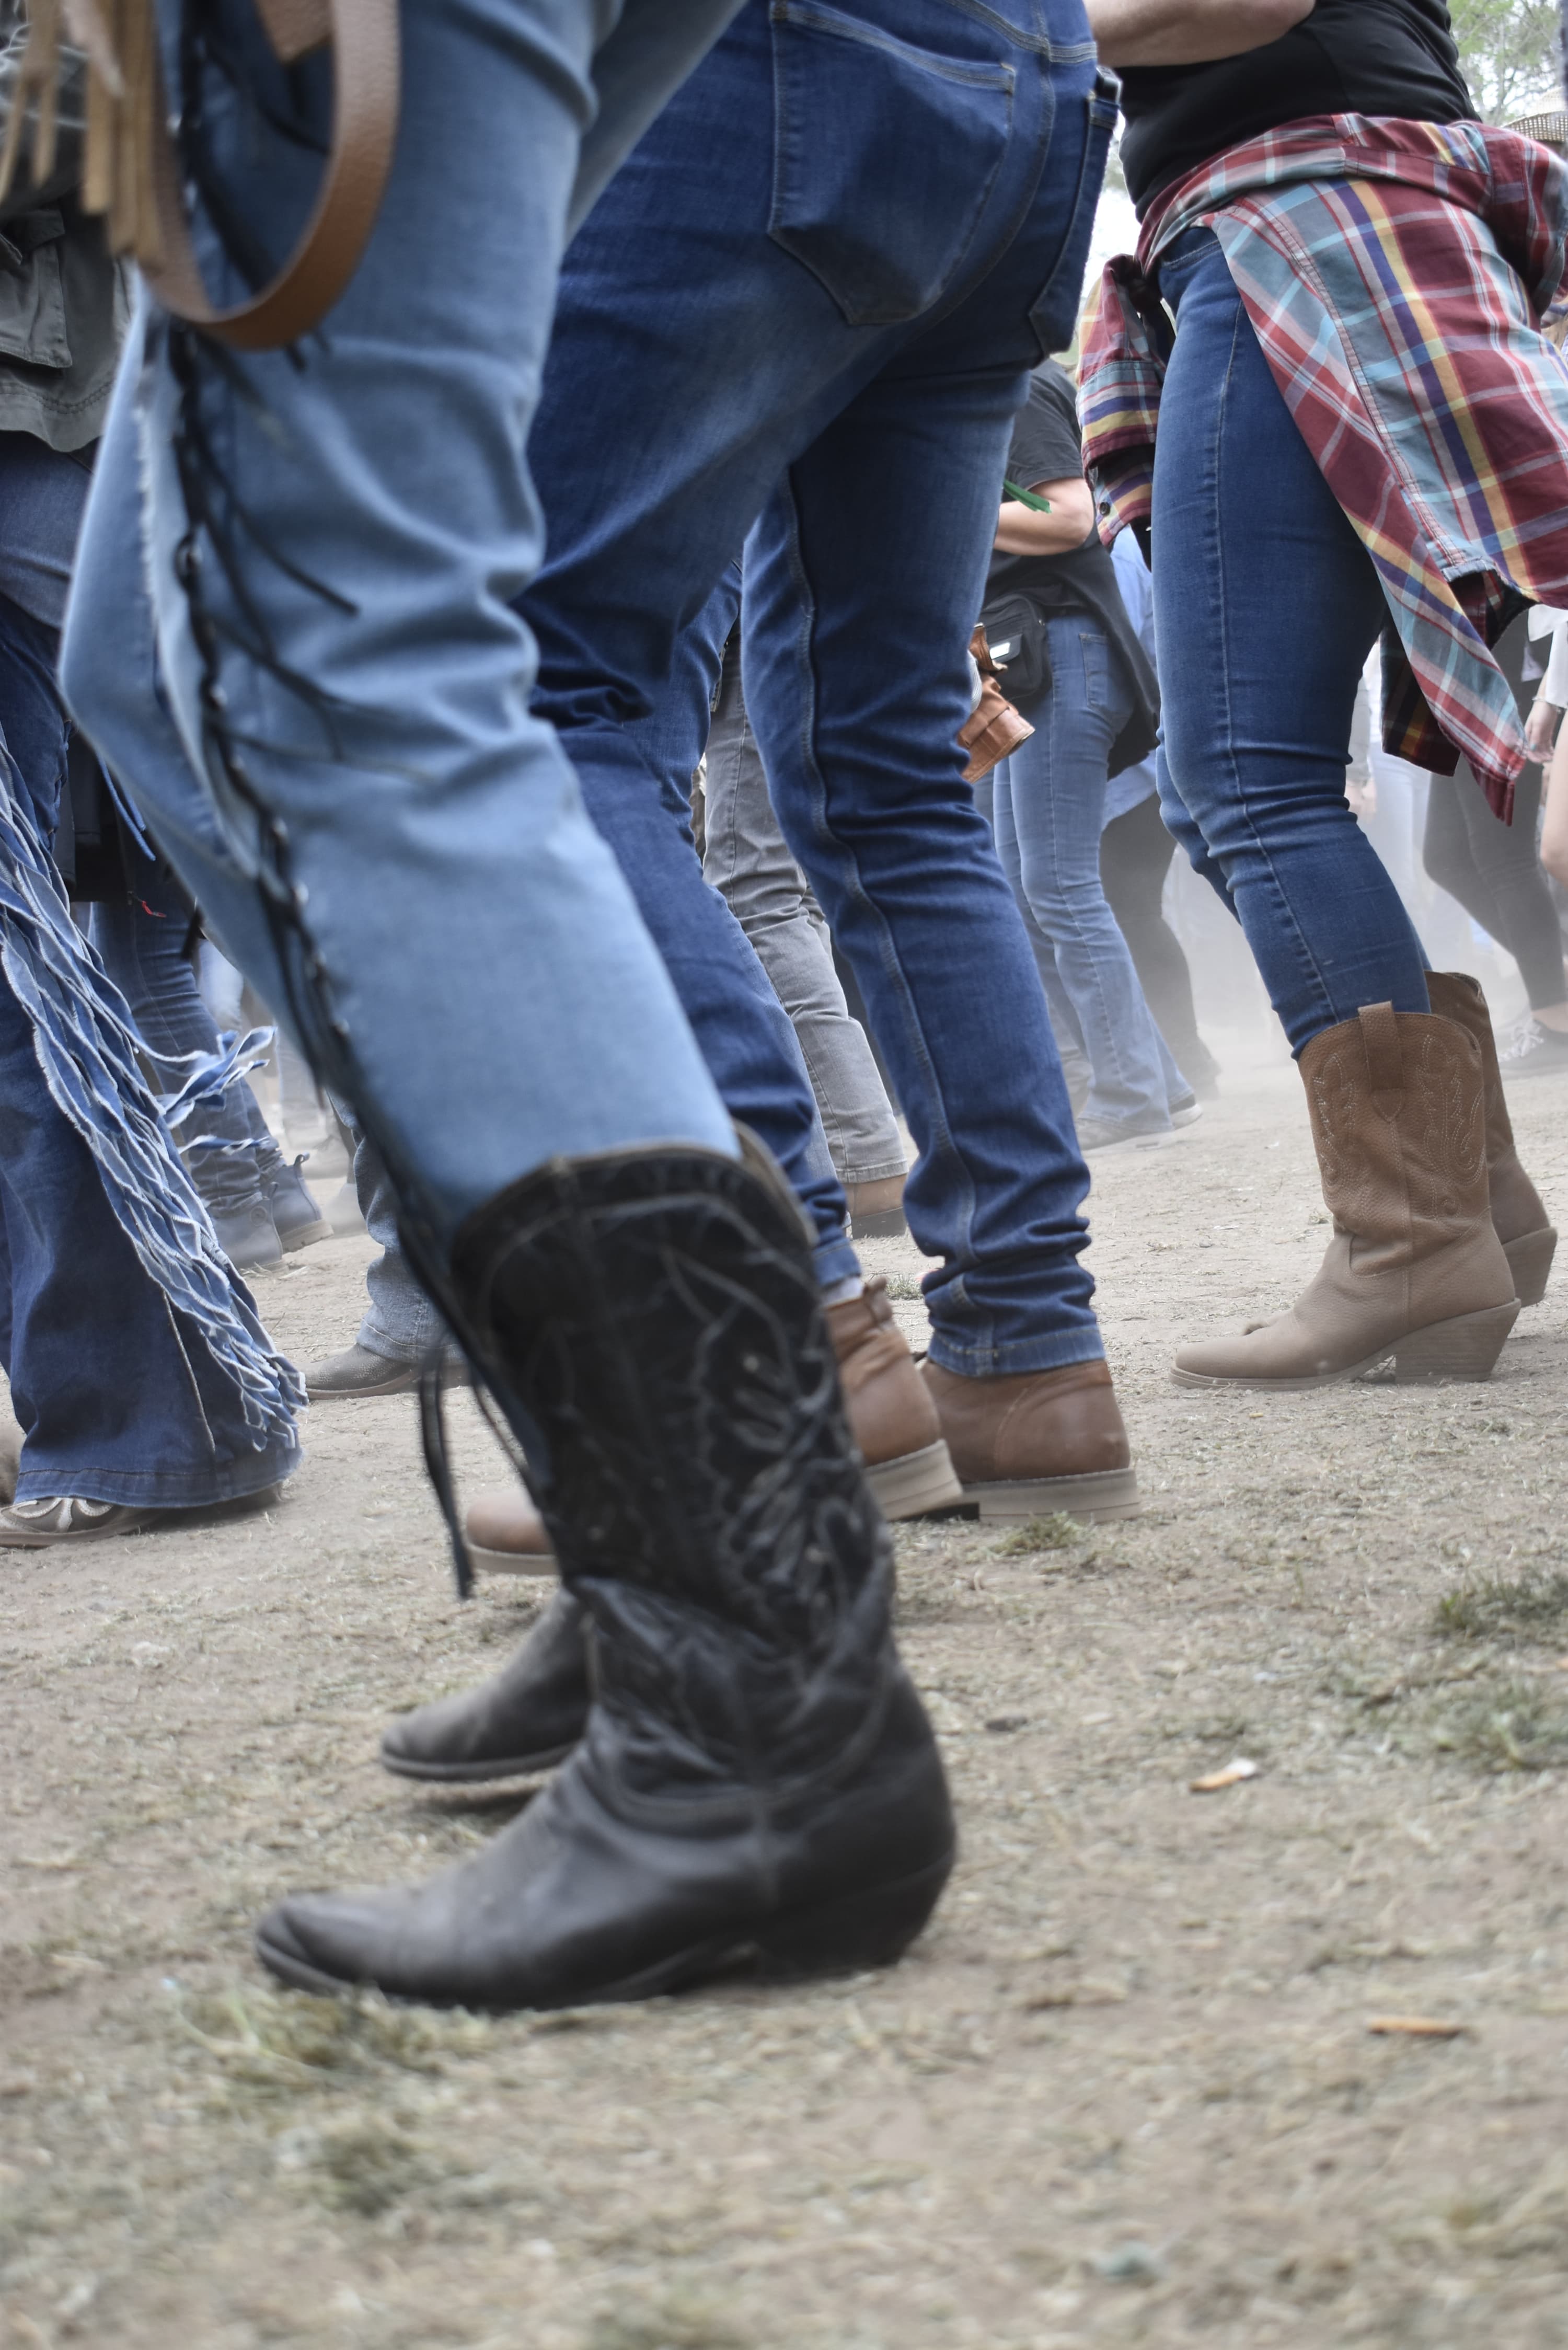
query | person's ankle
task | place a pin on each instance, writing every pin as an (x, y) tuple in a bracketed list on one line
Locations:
[(1553, 1016), (877, 1197)]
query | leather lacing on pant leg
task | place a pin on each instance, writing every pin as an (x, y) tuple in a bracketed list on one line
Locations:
[(220, 522)]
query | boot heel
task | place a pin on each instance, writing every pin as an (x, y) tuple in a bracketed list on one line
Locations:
[(1529, 1262), (916, 1484), (1464, 1349), (863, 1930)]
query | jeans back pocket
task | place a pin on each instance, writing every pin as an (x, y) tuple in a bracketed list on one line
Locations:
[(884, 155), (1054, 316)]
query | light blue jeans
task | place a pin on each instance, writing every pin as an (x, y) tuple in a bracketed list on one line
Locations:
[(1049, 807), (333, 540)]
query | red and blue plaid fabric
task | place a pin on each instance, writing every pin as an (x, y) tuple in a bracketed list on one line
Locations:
[(1396, 274)]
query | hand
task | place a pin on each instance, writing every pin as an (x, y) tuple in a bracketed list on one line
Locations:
[(1541, 728), (1363, 798)]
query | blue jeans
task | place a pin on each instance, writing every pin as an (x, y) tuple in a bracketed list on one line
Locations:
[(116, 1392), (141, 940), (639, 795), (1266, 607), (363, 783), (370, 771), (812, 298), (1049, 809)]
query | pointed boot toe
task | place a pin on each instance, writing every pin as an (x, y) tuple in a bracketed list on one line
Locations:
[(329, 1942)]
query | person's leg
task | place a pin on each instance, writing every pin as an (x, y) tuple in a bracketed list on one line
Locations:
[(1448, 855), (401, 1328), (1507, 863), (1266, 604), (746, 860), (976, 1053), (119, 1398), (400, 488), (902, 862), (116, 1383), (258, 1203), (140, 938), (1136, 853), (638, 1295), (1057, 792), (993, 797), (637, 790)]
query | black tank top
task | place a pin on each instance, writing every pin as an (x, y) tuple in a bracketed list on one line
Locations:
[(1349, 57)]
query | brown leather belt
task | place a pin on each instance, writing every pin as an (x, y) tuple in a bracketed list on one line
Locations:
[(366, 62)]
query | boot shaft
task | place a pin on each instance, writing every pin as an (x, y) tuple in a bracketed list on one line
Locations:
[(651, 1322), (1397, 1104), (1516, 1206)]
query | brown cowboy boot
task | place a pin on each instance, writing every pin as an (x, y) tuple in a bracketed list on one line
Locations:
[(1528, 1235), (1415, 1272)]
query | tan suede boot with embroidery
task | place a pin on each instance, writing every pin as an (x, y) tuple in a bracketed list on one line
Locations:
[(1527, 1232), (1415, 1275)]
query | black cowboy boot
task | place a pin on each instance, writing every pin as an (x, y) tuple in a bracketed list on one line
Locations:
[(524, 1719), (757, 1776)]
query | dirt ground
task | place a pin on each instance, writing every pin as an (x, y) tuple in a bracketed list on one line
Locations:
[(1126, 2091)]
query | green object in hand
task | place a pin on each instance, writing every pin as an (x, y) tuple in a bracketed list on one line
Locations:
[(1025, 497)]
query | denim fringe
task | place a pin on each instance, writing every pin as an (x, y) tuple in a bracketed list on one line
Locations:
[(86, 1050)]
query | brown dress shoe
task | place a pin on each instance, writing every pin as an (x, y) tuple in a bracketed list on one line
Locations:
[(1519, 1216), (891, 1417), (1038, 1442)]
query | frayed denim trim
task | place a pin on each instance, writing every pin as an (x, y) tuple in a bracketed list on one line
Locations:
[(87, 1051), (191, 1489), (1017, 1355)]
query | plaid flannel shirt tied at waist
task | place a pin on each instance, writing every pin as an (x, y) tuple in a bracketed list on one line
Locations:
[(1396, 274)]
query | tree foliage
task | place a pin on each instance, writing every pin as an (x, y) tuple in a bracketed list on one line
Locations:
[(1510, 52)]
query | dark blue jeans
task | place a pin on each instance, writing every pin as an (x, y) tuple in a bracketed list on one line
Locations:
[(118, 1396), (1266, 607), (141, 939), (638, 791), (1049, 805), (811, 296)]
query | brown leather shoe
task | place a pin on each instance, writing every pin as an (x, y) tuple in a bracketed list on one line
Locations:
[(891, 1417), (1518, 1213), (1038, 1442), (1415, 1274), (506, 1533)]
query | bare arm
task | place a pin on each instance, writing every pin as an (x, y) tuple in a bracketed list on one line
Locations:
[(1189, 32), (1021, 531)]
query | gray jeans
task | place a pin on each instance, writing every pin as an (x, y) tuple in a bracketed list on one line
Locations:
[(746, 859)]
